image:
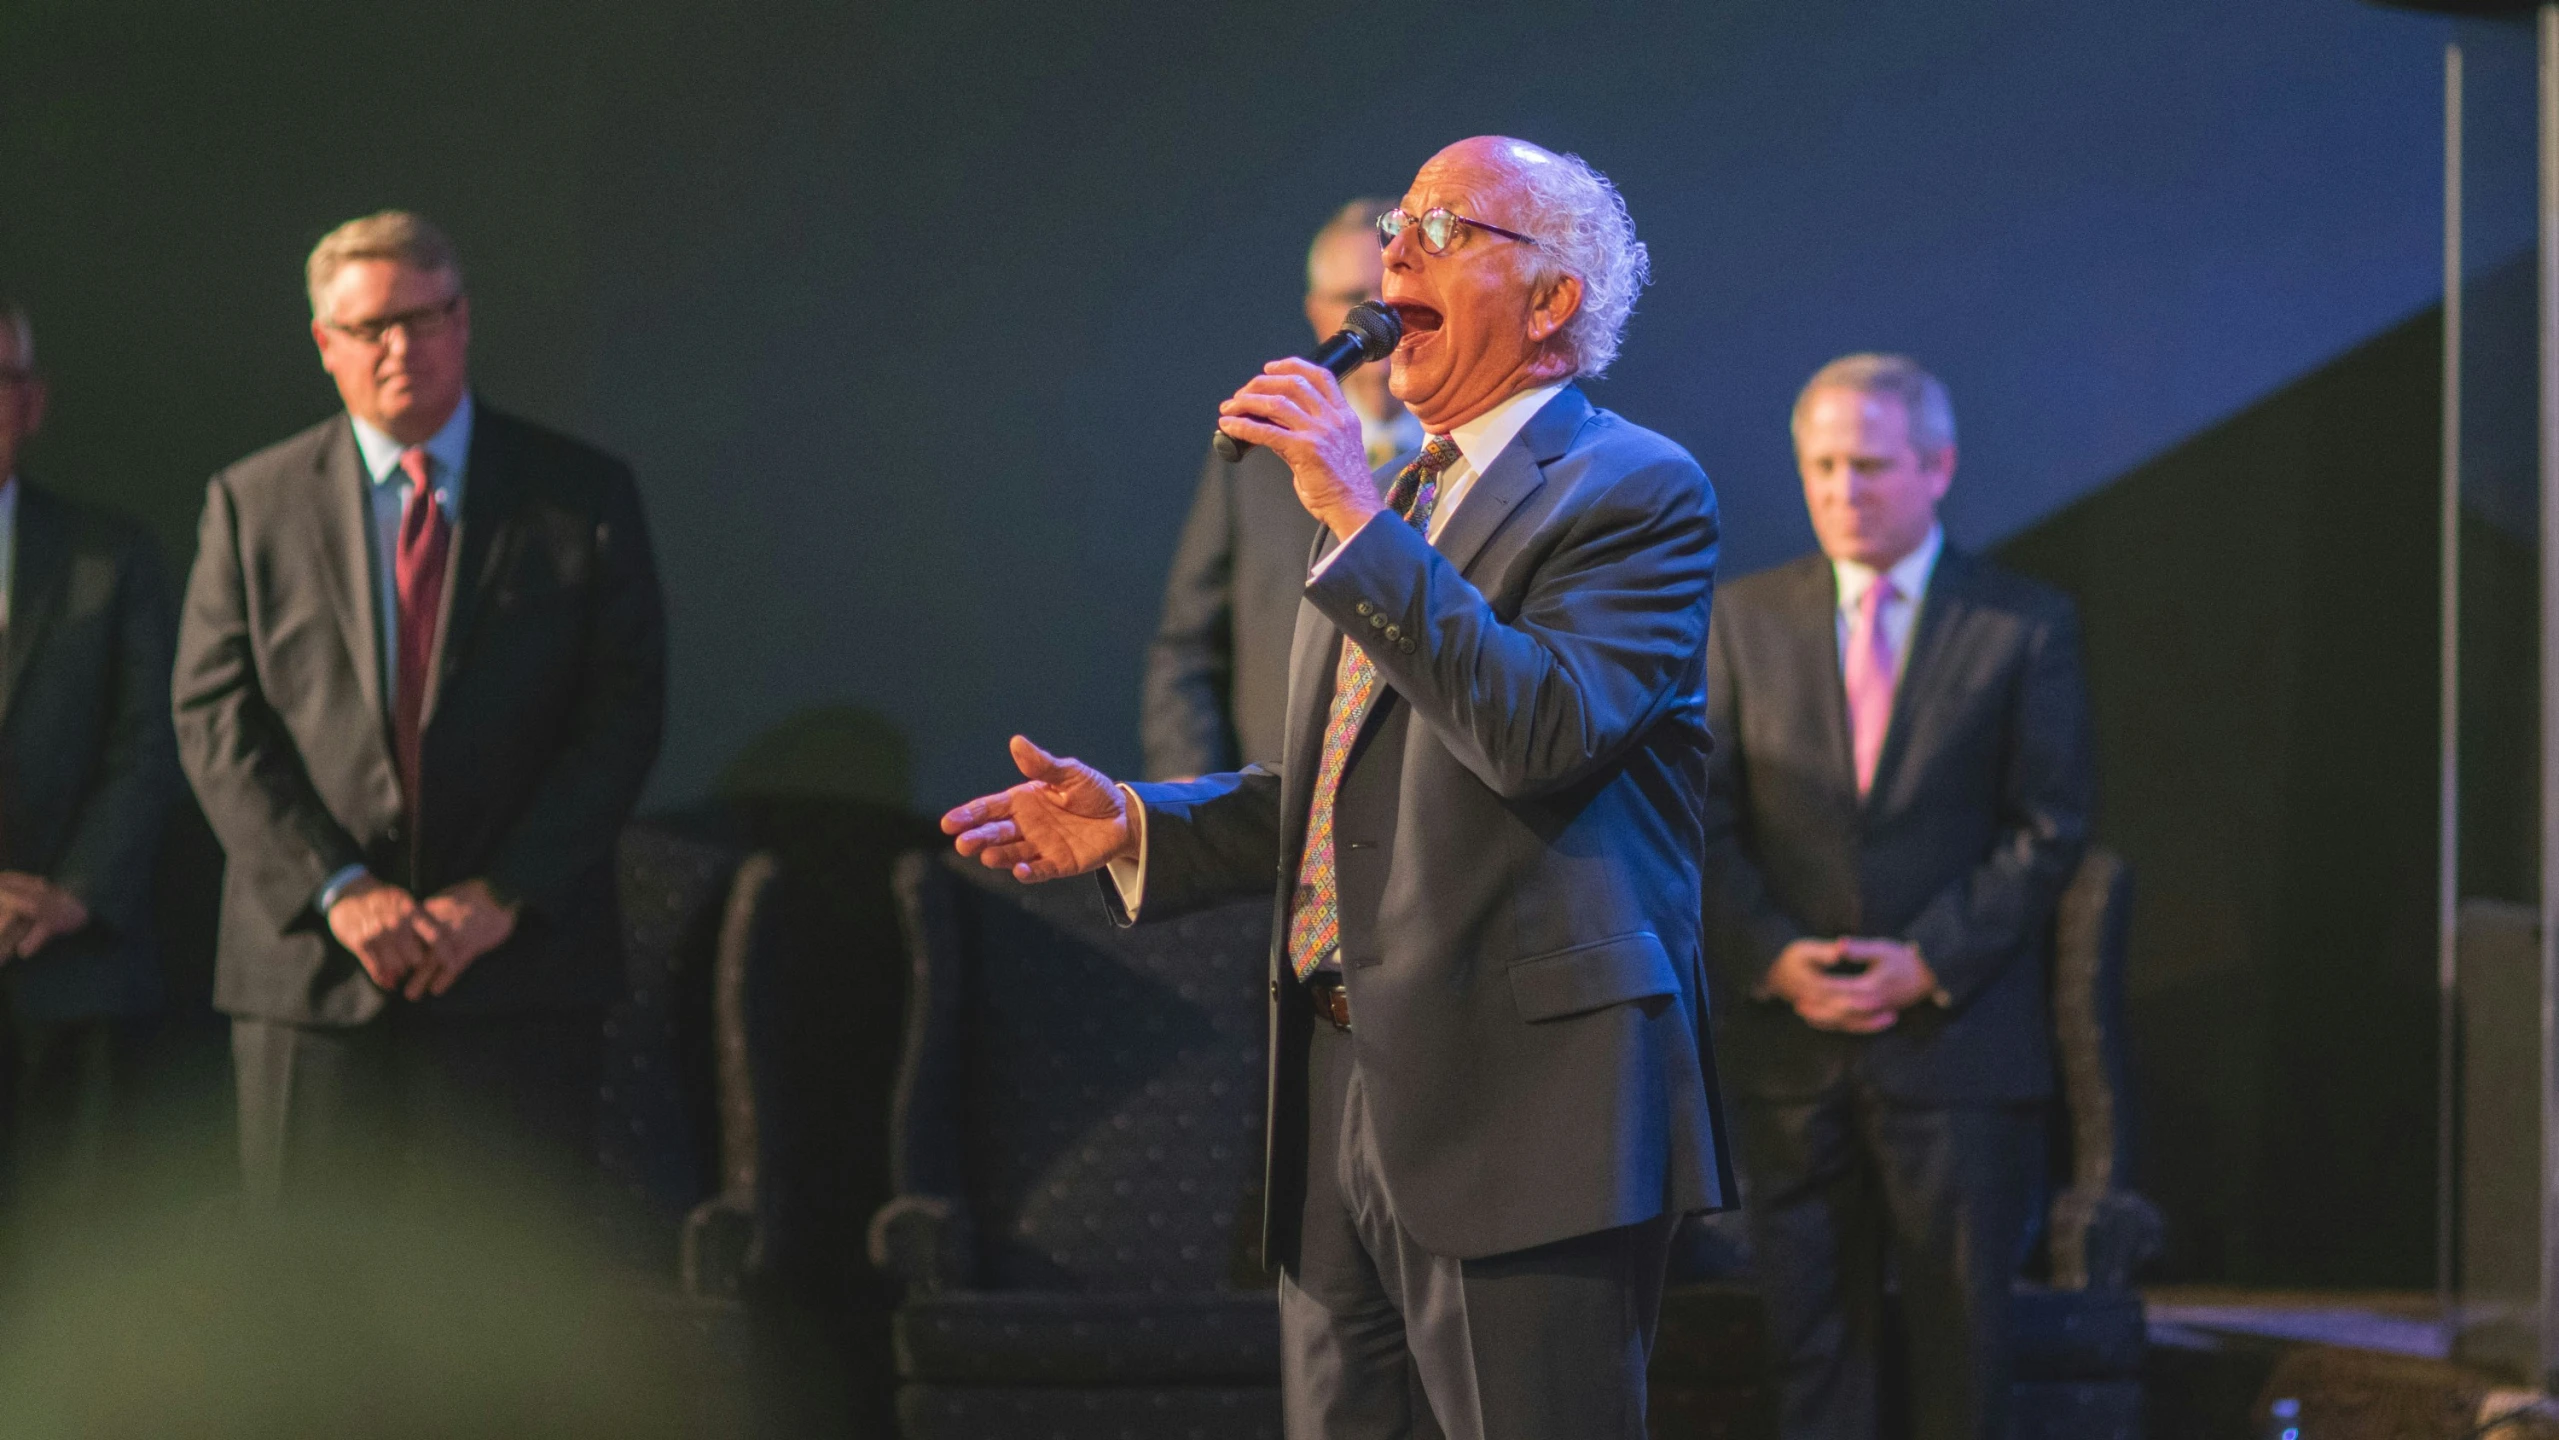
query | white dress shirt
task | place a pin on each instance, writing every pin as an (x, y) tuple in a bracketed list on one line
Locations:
[(1900, 618), (1479, 442)]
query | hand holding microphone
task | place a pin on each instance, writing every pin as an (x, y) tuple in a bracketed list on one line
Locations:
[(1296, 408)]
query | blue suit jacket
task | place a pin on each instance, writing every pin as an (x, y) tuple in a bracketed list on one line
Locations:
[(1518, 835), (1978, 816)]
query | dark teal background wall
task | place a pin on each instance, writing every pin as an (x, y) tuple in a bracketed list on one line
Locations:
[(912, 315)]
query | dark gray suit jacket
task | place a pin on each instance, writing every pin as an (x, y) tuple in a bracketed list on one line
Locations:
[(548, 700), (1518, 834), (1979, 812), (1217, 672), (87, 771)]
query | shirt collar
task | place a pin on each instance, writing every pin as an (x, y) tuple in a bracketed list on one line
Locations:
[(1483, 439), (1910, 574), (449, 447)]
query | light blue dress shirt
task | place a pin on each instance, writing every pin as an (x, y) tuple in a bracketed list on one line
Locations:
[(448, 462)]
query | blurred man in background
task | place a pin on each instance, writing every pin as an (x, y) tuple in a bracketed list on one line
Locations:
[(421, 675), (1900, 787), (1217, 672), (87, 777)]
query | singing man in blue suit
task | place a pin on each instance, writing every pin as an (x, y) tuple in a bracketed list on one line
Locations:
[(1490, 1094)]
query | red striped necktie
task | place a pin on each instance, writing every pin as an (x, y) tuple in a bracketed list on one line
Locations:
[(425, 537)]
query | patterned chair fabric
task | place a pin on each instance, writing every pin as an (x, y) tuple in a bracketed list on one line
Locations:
[(2080, 1339), (808, 1001), (1077, 1153), (655, 1130)]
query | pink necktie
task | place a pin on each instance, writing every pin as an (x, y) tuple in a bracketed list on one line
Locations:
[(419, 580), (1870, 680)]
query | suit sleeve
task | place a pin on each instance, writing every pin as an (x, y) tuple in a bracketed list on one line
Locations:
[(569, 828), (1185, 716), (115, 835), (1746, 929), (1208, 840), (1604, 643), (1980, 924), (247, 772)]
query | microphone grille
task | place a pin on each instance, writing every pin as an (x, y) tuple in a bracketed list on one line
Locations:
[(1378, 328)]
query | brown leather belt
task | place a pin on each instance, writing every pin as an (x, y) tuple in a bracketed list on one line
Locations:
[(1331, 999)]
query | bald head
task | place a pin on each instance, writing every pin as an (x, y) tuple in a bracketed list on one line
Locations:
[(1494, 315)]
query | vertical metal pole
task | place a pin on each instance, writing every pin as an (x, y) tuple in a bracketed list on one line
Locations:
[(2448, 743), (2549, 1078)]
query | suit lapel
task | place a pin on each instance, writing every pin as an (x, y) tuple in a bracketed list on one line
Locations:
[(1813, 615), (35, 586), (1515, 474), (489, 492), (1941, 617), (344, 516)]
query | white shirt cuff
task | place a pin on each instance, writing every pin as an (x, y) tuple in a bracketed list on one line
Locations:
[(1129, 876), (1336, 552)]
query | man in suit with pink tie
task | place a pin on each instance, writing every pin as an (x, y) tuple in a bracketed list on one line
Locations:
[(1899, 790)]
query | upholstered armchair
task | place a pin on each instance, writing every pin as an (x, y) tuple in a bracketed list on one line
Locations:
[(1077, 1155)]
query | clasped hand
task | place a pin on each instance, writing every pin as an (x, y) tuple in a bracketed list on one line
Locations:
[(34, 912), (419, 948), (1296, 410), (1065, 818), (1867, 1003)]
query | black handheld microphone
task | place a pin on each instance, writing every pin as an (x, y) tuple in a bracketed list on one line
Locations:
[(1369, 332)]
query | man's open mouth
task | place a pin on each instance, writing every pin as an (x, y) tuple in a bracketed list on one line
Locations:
[(1418, 319)]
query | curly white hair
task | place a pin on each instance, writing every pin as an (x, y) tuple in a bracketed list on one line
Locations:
[(1582, 230)]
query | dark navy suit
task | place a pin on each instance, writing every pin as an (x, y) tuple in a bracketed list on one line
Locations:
[(88, 777), (1918, 1139), (1518, 834)]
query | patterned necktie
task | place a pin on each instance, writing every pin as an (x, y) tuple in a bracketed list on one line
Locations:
[(1315, 912), (1870, 680), (418, 574)]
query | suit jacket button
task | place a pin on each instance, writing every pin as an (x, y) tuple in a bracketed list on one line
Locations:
[(1376, 622), (1394, 634), (1364, 608), (1405, 645)]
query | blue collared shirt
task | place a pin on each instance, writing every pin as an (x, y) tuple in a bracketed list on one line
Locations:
[(448, 458), (448, 462)]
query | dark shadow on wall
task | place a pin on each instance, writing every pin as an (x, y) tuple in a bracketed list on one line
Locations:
[(2261, 627), (830, 752)]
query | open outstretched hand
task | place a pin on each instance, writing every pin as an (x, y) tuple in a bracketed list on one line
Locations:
[(1065, 818)]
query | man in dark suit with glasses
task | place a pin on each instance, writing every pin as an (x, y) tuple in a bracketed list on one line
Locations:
[(1216, 691), (420, 683)]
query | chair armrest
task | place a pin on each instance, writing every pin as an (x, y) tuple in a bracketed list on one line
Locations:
[(922, 1240), (722, 1247), (2101, 1236)]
